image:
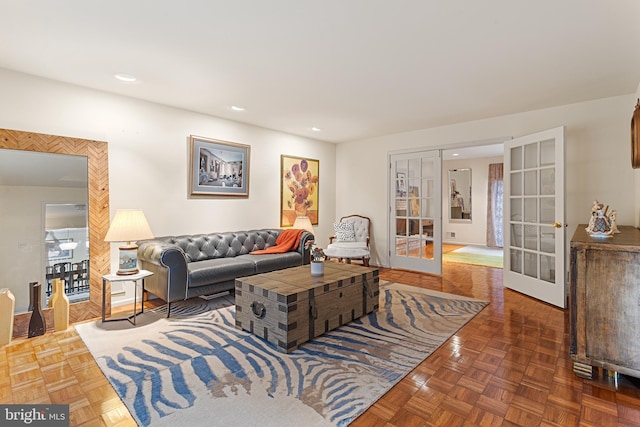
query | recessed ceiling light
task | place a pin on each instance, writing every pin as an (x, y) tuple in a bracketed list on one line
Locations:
[(315, 129), (126, 78), (455, 154), (236, 108)]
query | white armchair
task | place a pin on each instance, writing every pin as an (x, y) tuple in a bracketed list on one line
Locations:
[(351, 240)]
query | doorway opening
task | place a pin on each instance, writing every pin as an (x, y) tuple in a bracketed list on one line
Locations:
[(67, 249), (472, 212)]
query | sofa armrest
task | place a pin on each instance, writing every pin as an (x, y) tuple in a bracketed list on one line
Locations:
[(306, 254), (168, 264)]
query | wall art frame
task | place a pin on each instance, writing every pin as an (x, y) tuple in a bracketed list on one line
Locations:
[(635, 136), (218, 168), (299, 189)]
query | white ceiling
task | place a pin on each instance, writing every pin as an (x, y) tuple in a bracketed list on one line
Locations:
[(354, 68)]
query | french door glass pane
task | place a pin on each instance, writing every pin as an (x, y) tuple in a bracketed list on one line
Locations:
[(548, 152), (516, 235), (400, 185), (548, 240), (547, 268), (402, 166), (427, 250), (516, 209), (414, 168), (531, 155), (547, 210), (427, 167), (516, 184), (428, 208), (547, 181), (414, 247), (531, 183), (401, 207), (531, 264), (516, 260), (414, 227), (427, 188), (516, 159), (401, 246), (530, 210), (414, 207), (427, 228), (531, 237)]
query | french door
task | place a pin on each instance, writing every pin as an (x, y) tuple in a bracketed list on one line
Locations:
[(534, 235), (415, 229)]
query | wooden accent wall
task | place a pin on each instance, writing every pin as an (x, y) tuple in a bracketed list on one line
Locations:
[(99, 251)]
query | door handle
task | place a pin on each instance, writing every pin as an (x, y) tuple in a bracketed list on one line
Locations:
[(558, 224)]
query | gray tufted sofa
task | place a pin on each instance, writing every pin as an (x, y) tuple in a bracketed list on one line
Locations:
[(204, 264)]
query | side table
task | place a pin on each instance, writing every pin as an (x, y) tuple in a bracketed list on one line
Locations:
[(131, 277)]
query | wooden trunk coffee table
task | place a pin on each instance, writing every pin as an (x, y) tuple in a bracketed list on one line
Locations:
[(290, 307)]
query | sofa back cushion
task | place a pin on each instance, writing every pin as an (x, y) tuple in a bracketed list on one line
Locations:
[(199, 247)]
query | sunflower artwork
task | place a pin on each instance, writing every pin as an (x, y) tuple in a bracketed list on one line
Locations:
[(299, 189)]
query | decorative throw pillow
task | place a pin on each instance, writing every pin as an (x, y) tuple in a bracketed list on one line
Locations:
[(345, 231)]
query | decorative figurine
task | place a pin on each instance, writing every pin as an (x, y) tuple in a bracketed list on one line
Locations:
[(613, 222), (601, 225)]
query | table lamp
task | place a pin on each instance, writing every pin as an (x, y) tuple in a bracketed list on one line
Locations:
[(128, 226), (303, 223)]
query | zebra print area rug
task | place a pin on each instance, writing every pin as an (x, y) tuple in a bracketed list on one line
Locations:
[(197, 369)]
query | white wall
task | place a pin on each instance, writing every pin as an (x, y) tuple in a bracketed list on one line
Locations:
[(474, 232), (148, 155), (598, 164)]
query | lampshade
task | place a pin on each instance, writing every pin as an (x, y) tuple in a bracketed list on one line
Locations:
[(128, 226), (303, 223)]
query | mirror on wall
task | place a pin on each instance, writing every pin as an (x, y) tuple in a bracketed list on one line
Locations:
[(460, 195), (95, 154), (43, 206)]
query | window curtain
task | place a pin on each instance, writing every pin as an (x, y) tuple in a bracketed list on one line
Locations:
[(495, 237)]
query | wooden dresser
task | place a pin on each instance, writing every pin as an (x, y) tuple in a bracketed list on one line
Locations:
[(604, 302)]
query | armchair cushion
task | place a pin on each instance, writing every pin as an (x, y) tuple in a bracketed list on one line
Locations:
[(344, 231), (360, 226), (347, 250)]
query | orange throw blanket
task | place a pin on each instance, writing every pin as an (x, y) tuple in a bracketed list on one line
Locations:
[(288, 240)]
